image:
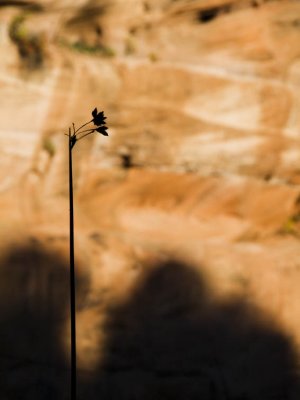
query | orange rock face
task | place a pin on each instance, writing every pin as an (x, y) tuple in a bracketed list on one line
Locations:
[(187, 215)]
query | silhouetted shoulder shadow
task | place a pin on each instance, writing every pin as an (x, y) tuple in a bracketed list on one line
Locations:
[(34, 303), (172, 340)]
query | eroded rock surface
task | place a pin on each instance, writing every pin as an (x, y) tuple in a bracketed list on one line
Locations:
[(200, 173)]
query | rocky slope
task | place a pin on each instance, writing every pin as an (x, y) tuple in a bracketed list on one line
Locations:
[(201, 168)]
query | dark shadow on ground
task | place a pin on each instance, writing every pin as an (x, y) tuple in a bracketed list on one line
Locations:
[(34, 305), (172, 341)]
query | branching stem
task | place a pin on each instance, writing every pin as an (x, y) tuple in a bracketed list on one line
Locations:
[(77, 130), (89, 131)]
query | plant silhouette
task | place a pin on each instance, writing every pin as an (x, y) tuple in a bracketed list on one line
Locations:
[(173, 341), (78, 134)]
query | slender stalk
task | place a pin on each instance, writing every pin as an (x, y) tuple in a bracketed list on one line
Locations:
[(72, 279), (89, 131), (76, 131), (99, 121)]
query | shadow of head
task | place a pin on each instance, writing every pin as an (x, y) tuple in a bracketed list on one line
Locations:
[(172, 339), (34, 307)]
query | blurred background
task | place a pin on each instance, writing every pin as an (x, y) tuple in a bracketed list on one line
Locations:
[(187, 217)]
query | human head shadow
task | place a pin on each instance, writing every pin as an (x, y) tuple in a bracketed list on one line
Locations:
[(172, 340), (34, 305)]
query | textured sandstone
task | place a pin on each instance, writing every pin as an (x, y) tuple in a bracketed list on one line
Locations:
[(202, 163)]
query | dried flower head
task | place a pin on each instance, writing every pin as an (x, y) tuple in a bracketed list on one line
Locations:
[(100, 127), (98, 118)]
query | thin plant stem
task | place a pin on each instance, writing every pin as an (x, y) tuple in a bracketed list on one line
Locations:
[(89, 131), (75, 132), (98, 119), (72, 279)]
